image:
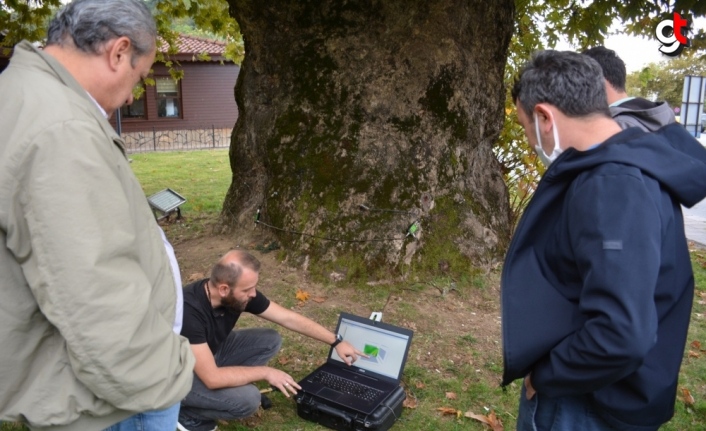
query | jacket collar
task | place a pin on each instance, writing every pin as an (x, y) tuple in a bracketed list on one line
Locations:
[(23, 53)]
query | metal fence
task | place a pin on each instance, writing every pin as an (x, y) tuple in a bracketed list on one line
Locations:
[(177, 139)]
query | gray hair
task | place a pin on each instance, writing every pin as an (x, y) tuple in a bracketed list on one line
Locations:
[(229, 270), (568, 80), (89, 24)]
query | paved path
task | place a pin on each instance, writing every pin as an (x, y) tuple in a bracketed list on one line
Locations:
[(695, 223), (695, 218)]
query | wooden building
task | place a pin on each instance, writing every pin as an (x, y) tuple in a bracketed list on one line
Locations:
[(197, 111)]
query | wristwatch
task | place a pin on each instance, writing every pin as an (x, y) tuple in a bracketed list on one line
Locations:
[(339, 338)]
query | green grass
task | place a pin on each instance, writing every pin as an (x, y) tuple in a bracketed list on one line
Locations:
[(203, 178), (693, 372)]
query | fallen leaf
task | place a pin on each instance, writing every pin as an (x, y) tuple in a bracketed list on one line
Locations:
[(495, 421), (410, 403), (283, 360), (420, 385), (687, 397), (479, 418), (693, 354), (448, 411), (696, 345), (491, 420), (319, 299), (451, 395), (301, 295)]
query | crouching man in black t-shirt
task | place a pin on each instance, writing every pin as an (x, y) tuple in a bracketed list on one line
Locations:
[(228, 361)]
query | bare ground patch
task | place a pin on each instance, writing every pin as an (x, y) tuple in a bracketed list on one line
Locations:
[(456, 330)]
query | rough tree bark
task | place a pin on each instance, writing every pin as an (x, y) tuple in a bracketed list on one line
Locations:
[(382, 104)]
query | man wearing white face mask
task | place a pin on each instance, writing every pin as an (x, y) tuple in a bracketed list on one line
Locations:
[(597, 284), (547, 159)]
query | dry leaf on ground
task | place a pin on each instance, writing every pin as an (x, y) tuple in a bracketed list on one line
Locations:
[(697, 345), (687, 397), (449, 411), (491, 420), (451, 395), (410, 402), (319, 299), (301, 295)]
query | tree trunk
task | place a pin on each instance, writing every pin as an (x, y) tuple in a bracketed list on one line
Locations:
[(358, 118)]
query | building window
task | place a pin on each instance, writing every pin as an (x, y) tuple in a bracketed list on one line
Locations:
[(137, 108), (168, 98)]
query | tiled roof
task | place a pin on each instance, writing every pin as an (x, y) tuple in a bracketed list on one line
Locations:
[(197, 45), (189, 48)]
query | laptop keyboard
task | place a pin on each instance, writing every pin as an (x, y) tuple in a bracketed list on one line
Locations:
[(346, 386)]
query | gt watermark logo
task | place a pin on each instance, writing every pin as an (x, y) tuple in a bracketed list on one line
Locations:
[(673, 35)]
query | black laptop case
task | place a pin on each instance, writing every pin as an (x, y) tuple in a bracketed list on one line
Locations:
[(334, 417)]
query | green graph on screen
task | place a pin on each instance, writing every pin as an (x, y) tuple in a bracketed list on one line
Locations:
[(371, 350)]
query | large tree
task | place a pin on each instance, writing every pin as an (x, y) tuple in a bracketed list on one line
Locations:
[(359, 118)]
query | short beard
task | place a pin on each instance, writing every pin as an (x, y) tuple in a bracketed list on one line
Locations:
[(233, 305)]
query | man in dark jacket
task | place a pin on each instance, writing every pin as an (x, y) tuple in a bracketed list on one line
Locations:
[(597, 284), (628, 111)]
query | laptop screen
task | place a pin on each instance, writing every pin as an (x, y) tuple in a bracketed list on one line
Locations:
[(386, 349)]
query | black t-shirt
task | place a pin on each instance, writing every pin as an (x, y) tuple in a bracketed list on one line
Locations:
[(205, 324)]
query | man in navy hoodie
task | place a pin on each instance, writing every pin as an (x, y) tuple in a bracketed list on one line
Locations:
[(597, 284)]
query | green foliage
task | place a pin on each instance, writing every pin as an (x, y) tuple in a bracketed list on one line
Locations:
[(28, 19), (520, 165), (665, 80), (25, 19), (588, 23), (187, 26), (208, 18)]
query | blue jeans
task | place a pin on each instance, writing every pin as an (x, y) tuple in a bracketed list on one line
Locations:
[(157, 420), (248, 347), (543, 413)]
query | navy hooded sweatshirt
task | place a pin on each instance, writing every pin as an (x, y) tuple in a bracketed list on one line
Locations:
[(597, 285)]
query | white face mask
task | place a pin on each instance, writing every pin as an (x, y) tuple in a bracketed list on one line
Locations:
[(547, 159)]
